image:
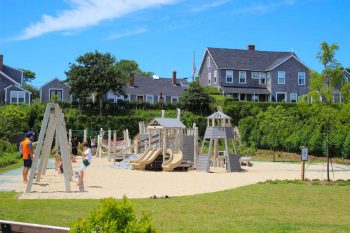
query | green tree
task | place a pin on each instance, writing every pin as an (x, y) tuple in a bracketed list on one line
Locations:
[(323, 87), (129, 66), (95, 73), (28, 75), (35, 91), (195, 98)]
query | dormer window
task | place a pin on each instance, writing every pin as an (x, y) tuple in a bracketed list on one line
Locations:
[(229, 76), (242, 77)]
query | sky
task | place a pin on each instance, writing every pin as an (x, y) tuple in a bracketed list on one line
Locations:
[(161, 35)]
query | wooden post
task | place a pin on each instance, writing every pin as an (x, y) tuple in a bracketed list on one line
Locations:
[(164, 142), (195, 148), (70, 137), (114, 144), (43, 128), (109, 144), (85, 135), (302, 170)]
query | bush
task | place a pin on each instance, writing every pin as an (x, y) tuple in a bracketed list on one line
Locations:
[(7, 159), (113, 216)]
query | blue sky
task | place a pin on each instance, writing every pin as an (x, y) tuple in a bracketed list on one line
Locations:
[(161, 35)]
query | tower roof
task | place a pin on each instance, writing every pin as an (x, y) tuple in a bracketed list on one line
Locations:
[(219, 115)]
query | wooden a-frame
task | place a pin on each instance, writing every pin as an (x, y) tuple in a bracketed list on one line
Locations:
[(52, 125)]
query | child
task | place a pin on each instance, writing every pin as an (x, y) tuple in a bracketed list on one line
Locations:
[(87, 159)]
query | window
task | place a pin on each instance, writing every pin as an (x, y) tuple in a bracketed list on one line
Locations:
[(346, 79), (162, 99), (255, 75), (56, 92), (149, 99), (229, 76), (301, 78), (293, 97), (111, 97), (262, 78), (215, 76), (174, 99), (281, 77), (242, 97), (255, 98), (17, 97), (140, 98), (242, 77), (281, 97), (208, 61)]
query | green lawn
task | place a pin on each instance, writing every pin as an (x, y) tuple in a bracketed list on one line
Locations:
[(11, 167), (254, 208)]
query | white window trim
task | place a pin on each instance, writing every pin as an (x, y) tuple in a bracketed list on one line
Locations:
[(209, 78), (147, 100), (290, 96), (245, 77), (215, 76), (304, 78), (285, 96), (226, 76), (174, 97), (208, 61), (278, 77), (255, 96), (24, 101), (260, 77)]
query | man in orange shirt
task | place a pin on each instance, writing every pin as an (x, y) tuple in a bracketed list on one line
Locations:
[(27, 154)]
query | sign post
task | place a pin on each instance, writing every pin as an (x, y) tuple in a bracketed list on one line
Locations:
[(304, 157)]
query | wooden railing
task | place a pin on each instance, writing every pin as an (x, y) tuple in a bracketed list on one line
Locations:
[(21, 227)]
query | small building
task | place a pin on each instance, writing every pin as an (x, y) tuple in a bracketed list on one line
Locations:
[(57, 88), (11, 85)]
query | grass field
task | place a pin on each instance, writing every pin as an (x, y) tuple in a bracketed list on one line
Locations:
[(11, 167), (254, 208)]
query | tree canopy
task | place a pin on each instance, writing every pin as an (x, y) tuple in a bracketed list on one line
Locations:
[(95, 73), (28, 75), (129, 66)]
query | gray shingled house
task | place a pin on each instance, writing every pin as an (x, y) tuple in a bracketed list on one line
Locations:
[(55, 87), (152, 89), (11, 85), (252, 75)]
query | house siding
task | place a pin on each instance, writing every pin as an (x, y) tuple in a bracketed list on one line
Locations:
[(291, 69), (203, 75), (55, 84), (4, 82), (16, 75), (252, 83)]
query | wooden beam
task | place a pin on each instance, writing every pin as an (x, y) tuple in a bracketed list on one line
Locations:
[(21, 227), (39, 147)]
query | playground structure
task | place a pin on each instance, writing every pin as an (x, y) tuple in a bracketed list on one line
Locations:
[(53, 126), (218, 128), (177, 146)]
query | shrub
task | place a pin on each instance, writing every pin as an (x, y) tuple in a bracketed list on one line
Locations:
[(113, 216)]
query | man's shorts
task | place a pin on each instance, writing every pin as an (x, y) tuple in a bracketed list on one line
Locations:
[(27, 163)]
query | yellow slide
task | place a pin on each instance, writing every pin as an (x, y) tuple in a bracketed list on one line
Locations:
[(145, 154), (147, 160), (173, 162)]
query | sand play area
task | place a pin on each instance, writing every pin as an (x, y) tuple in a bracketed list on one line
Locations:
[(102, 180)]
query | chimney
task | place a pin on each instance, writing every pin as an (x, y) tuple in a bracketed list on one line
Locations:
[(178, 113), (131, 79), (1, 61), (174, 78), (163, 113), (251, 47)]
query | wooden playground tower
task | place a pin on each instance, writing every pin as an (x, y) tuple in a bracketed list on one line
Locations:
[(219, 127), (52, 126)]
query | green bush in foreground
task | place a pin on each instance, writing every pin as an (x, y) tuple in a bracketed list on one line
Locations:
[(113, 216)]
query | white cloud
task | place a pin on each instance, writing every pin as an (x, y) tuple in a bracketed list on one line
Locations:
[(263, 7), (126, 33), (210, 5), (86, 13)]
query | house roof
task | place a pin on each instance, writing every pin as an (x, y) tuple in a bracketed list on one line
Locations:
[(240, 59), (218, 115), (167, 123), (55, 80), (245, 90), (151, 86), (4, 75), (18, 87)]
